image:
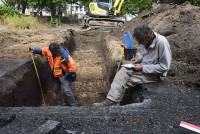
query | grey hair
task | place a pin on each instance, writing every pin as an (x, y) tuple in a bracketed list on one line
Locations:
[(142, 31)]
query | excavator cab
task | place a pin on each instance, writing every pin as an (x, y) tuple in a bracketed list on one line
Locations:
[(105, 5), (100, 8)]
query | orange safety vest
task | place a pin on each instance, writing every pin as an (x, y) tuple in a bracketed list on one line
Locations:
[(57, 69), (56, 65)]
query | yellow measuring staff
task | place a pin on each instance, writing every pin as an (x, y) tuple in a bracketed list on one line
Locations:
[(38, 79)]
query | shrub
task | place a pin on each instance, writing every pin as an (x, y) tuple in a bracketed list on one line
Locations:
[(6, 10)]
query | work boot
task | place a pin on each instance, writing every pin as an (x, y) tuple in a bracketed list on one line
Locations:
[(106, 102), (61, 104)]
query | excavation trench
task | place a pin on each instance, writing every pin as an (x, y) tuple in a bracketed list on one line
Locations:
[(96, 69)]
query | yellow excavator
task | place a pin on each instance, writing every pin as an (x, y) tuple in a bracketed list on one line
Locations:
[(104, 14)]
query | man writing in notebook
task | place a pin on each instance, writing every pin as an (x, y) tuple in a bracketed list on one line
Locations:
[(151, 63)]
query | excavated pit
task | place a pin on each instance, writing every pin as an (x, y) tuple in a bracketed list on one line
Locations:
[(96, 69)]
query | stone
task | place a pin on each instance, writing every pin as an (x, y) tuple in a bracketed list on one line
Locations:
[(49, 126)]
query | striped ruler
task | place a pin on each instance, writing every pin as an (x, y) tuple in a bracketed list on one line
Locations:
[(190, 126)]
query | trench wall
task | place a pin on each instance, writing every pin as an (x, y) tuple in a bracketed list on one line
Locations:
[(20, 87), (113, 53)]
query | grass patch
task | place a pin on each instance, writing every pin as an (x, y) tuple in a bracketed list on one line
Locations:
[(22, 22)]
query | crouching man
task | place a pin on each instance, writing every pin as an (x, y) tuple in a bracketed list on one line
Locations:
[(151, 63), (63, 69)]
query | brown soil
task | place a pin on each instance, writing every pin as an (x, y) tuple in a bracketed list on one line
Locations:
[(181, 25)]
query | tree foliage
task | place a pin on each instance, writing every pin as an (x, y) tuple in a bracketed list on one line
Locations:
[(132, 6), (6, 10), (85, 2), (195, 2)]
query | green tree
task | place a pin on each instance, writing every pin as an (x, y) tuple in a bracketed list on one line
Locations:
[(131, 6), (6, 10), (85, 2), (195, 2), (9, 2), (50, 5), (54, 6)]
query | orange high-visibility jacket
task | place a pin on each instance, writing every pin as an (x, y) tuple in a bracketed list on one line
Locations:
[(58, 64)]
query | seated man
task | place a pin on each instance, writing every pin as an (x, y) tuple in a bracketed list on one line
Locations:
[(151, 63), (63, 69)]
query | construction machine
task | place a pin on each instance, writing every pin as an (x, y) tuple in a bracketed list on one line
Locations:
[(104, 14)]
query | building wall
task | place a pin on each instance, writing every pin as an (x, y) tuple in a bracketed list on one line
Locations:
[(76, 9)]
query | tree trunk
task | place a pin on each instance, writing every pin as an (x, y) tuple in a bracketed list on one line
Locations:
[(24, 4), (53, 12), (71, 9), (40, 10), (41, 13), (18, 6), (60, 11)]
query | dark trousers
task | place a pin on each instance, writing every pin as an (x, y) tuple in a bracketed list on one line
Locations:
[(64, 85)]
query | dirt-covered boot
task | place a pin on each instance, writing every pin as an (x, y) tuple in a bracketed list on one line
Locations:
[(106, 102)]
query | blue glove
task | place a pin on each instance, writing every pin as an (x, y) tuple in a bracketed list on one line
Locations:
[(37, 51)]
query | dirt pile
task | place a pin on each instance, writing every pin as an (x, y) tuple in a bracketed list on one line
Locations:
[(181, 25), (171, 1)]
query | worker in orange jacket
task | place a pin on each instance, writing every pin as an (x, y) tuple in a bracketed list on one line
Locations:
[(63, 68)]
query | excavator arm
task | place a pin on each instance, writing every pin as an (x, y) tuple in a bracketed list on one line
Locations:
[(117, 7)]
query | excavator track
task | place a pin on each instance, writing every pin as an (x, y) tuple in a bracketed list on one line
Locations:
[(93, 22)]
